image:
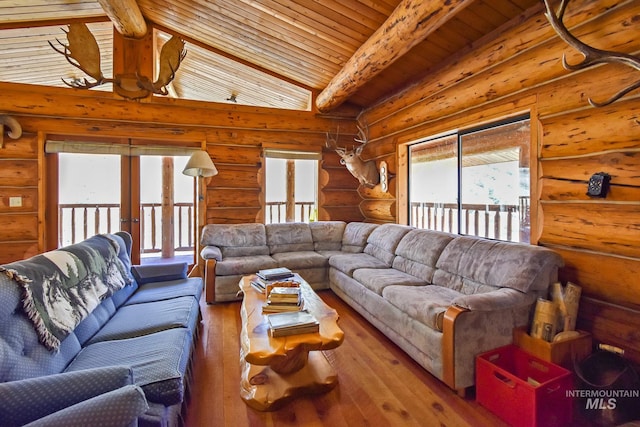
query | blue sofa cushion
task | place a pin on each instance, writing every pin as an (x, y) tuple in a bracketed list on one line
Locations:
[(146, 318), (158, 361), (21, 353), (115, 408), (166, 290), (62, 286), (33, 398), (159, 273)]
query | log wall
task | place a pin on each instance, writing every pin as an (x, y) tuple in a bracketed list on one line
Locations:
[(19, 181), (519, 69), (235, 137)]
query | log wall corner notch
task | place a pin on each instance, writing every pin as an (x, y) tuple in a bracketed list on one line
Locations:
[(15, 130)]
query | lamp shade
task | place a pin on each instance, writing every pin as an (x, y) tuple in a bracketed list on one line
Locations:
[(200, 164)]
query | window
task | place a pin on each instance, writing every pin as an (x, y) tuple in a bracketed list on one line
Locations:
[(291, 186), (474, 182)]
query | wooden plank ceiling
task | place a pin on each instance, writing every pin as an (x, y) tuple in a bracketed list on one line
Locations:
[(271, 53)]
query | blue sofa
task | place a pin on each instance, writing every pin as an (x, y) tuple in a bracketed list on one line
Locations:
[(127, 359)]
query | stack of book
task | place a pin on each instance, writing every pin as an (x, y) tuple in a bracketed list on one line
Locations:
[(275, 274), (262, 285), (299, 322), (283, 298)]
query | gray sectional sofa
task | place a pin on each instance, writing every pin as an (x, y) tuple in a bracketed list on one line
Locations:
[(442, 298), (110, 345)]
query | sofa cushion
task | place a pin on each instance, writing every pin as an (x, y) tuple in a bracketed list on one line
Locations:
[(355, 236), (157, 291), (348, 263), (236, 240), (426, 304), (327, 235), (384, 240), (95, 321), (289, 237), (376, 279), (473, 265), (158, 361), (300, 260), (21, 353), (124, 241), (244, 265), (159, 272), (329, 254), (142, 319), (418, 252)]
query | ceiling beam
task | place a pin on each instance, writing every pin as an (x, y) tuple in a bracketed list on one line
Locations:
[(126, 17), (409, 24)]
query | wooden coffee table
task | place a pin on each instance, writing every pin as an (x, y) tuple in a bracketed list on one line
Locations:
[(276, 370)]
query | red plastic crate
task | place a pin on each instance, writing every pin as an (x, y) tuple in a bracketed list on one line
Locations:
[(522, 389)]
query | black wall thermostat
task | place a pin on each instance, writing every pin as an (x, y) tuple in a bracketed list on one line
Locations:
[(598, 184)]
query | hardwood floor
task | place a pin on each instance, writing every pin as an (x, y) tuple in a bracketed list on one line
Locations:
[(379, 385)]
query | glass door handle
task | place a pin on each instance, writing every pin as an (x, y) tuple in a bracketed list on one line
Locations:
[(135, 220)]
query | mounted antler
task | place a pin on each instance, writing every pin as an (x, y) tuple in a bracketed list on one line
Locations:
[(366, 172), (171, 56), (83, 53), (363, 135), (592, 55)]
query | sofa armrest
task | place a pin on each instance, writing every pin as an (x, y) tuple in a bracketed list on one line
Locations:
[(211, 252), (500, 299), (27, 400), (160, 272), (115, 408), (469, 332), (210, 280)]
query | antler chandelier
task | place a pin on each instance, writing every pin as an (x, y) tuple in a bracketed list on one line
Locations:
[(83, 52)]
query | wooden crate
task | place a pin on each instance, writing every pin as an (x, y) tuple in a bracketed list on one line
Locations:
[(560, 353)]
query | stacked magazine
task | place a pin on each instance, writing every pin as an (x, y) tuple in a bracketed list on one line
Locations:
[(292, 323)]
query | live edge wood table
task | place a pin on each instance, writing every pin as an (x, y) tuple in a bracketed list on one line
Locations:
[(276, 370)]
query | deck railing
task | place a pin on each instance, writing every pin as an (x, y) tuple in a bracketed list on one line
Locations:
[(276, 212), (78, 221), (502, 222)]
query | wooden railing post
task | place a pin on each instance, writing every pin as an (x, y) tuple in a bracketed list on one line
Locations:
[(69, 235), (436, 215)]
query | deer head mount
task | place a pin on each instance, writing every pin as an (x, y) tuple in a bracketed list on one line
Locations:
[(83, 53), (366, 172), (592, 55)]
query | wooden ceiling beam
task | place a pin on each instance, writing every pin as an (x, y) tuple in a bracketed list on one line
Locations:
[(126, 17), (409, 24)]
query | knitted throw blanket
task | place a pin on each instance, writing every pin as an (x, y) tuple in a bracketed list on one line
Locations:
[(61, 287)]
